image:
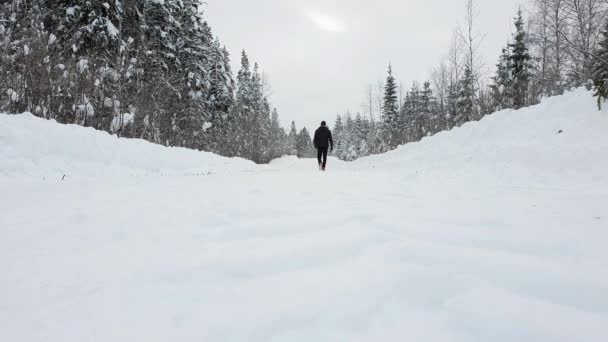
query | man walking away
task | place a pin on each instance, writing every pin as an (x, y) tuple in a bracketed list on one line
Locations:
[(323, 141)]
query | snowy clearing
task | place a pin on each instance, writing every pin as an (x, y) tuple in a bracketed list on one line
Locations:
[(496, 231)]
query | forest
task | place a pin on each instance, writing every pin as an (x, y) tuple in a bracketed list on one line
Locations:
[(138, 69), (556, 46)]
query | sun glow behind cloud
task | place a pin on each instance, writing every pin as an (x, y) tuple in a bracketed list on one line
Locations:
[(327, 22)]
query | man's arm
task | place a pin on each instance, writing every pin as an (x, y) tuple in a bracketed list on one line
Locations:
[(331, 141), (314, 140)]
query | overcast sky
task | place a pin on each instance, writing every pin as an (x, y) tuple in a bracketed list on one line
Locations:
[(320, 55)]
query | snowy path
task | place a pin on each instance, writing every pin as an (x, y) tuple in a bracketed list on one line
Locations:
[(288, 254), (495, 232)]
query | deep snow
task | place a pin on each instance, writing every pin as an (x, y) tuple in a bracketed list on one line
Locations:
[(496, 231)]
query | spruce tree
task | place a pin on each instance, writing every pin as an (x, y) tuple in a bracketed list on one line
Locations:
[(244, 109), (265, 133), (350, 152), (304, 144), (359, 135), (86, 42), (362, 136), (293, 140), (520, 64), (221, 100), (374, 138), (452, 105), (390, 110), (25, 64), (428, 110), (338, 136), (412, 117), (503, 82), (221, 87), (193, 117), (162, 32), (275, 141), (466, 106), (428, 102), (256, 120)]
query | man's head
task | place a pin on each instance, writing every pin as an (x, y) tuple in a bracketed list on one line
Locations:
[(323, 124)]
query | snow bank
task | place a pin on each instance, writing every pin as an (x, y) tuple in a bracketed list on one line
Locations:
[(563, 137), (36, 148)]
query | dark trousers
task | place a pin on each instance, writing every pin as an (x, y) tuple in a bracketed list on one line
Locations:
[(322, 155)]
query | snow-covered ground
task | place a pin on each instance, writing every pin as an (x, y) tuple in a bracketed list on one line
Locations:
[(496, 231)]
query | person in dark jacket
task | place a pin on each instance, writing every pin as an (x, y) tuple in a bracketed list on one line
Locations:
[(323, 141)]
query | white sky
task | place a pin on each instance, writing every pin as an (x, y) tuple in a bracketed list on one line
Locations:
[(320, 55)]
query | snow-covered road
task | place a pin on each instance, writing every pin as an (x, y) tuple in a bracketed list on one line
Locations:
[(288, 254), (499, 240)]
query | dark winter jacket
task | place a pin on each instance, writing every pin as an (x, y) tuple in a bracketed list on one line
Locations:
[(323, 138)]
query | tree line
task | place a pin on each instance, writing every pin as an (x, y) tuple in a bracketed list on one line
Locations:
[(153, 70), (138, 69), (559, 46)]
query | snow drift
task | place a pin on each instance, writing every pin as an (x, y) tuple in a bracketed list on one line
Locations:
[(36, 148)]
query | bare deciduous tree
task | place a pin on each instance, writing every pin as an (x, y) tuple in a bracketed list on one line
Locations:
[(586, 18), (564, 35), (441, 82), (472, 40)]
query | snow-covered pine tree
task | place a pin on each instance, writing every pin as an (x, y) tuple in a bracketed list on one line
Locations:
[(428, 102), (276, 138), (24, 65), (374, 138), (7, 94), (282, 140), (390, 111), (221, 99), (196, 53), (408, 115), (413, 117), (486, 103), (452, 105), (244, 109), (259, 118), (293, 140), (503, 82), (338, 136), (89, 41), (130, 68), (350, 150), (162, 32), (255, 121), (520, 64), (363, 135), (265, 143), (600, 69), (359, 133), (229, 80), (429, 110), (304, 144), (466, 106)]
